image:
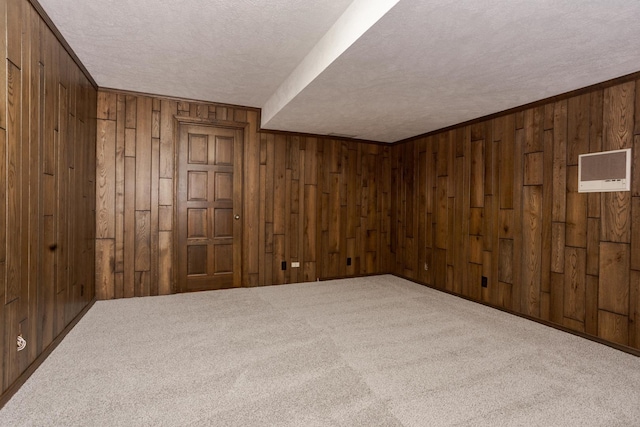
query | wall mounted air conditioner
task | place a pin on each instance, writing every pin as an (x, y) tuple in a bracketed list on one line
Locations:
[(605, 171)]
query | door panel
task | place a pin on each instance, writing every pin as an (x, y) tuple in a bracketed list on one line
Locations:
[(209, 197)]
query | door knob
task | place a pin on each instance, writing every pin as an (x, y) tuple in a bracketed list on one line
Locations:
[(237, 217)]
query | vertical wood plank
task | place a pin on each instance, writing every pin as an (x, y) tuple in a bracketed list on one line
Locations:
[(591, 305), (107, 105), (142, 246), (165, 261), (557, 247), (556, 313), (578, 111), (593, 246), (3, 97), (616, 217), (635, 233), (506, 126), (532, 248), (143, 153), (575, 284), (477, 174), (634, 309), (129, 225), (168, 109), (106, 177), (131, 106), (559, 183), (153, 217), (14, 187), (618, 116), (613, 286), (613, 327), (576, 221), (518, 288), (533, 129), (119, 183), (105, 278), (251, 188)]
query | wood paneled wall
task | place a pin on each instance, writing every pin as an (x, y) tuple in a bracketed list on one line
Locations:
[(499, 199), (312, 200), (47, 173)]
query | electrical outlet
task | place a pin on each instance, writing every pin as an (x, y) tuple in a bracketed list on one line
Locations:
[(295, 264), (426, 266), (484, 282)]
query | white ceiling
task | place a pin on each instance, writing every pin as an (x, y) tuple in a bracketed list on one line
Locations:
[(381, 70)]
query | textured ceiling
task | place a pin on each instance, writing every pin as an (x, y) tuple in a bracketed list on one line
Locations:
[(382, 70)]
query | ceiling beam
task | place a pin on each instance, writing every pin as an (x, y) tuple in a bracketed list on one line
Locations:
[(352, 24)]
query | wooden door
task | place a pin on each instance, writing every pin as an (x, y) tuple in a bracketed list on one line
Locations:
[(209, 207)]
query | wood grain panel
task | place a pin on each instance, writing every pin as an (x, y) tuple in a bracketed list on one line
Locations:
[(505, 127), (618, 116), (107, 106), (533, 129), (576, 221), (555, 253), (578, 112), (557, 247), (556, 310), (282, 198), (635, 233), (519, 226), (143, 153), (505, 256), (251, 225), (3, 78), (635, 172), (614, 278), (575, 284), (591, 305), (105, 179), (593, 246), (477, 174), (533, 168), (596, 120), (616, 217), (559, 183), (613, 327), (637, 107), (532, 249), (119, 190), (105, 253), (47, 188), (129, 232), (634, 309)]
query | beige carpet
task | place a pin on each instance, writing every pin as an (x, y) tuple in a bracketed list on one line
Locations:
[(376, 351)]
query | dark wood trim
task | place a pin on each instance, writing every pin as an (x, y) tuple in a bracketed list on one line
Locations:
[(319, 136), (566, 95), (176, 98), (353, 276), (180, 120), (47, 20), (623, 348), (19, 382)]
